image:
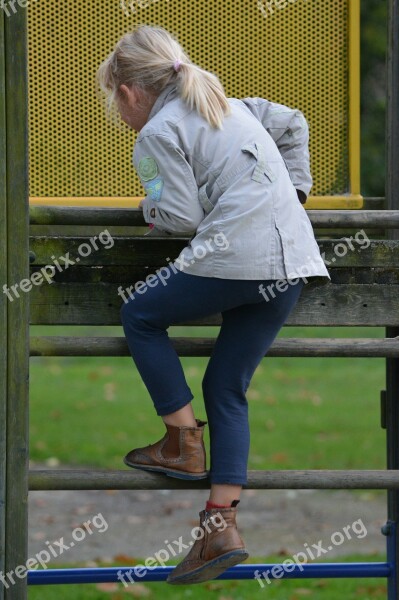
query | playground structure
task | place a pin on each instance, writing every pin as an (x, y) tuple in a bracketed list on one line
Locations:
[(363, 291)]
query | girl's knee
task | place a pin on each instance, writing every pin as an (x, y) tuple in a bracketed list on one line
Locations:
[(126, 311), (209, 386), (138, 314), (131, 312)]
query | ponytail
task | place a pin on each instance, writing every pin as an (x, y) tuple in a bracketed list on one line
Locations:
[(151, 58), (204, 92)]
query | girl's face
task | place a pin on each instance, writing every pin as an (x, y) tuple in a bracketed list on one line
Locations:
[(133, 106)]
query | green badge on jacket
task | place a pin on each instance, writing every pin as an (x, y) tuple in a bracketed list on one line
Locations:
[(148, 168)]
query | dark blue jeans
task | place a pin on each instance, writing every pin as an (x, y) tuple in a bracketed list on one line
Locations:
[(251, 321)]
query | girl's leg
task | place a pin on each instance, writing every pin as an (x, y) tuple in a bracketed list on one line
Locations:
[(250, 324), (246, 334), (183, 416), (148, 315), (146, 318)]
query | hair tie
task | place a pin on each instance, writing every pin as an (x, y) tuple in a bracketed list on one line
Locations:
[(176, 64)]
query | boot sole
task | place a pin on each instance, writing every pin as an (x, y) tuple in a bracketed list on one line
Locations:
[(211, 569), (169, 472)]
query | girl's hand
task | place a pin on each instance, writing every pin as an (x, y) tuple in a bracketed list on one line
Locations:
[(141, 203)]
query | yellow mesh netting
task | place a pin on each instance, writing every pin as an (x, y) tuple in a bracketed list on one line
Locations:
[(293, 52)]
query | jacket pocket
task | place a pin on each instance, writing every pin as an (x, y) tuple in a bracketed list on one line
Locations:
[(261, 168), (204, 200)]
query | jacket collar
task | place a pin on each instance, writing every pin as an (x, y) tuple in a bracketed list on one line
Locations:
[(167, 94)]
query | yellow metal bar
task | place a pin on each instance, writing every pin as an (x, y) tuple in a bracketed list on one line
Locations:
[(103, 201), (319, 202), (354, 96), (351, 201)]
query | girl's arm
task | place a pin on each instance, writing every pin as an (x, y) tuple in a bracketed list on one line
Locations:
[(289, 129), (171, 203)]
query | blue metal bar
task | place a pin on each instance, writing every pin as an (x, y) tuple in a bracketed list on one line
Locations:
[(259, 572)]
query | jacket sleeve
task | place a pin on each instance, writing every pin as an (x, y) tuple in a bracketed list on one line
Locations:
[(289, 129), (171, 201)]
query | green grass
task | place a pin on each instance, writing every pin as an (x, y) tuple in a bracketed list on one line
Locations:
[(313, 413)]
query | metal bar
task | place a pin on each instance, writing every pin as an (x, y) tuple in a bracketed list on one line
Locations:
[(392, 439), (354, 95), (392, 364), (336, 201), (310, 347), (68, 215), (392, 114), (390, 530), (60, 479), (339, 202), (260, 572), (18, 310), (3, 303)]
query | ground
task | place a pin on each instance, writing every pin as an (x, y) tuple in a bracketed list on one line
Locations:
[(141, 523)]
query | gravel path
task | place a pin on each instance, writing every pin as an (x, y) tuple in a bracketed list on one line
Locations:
[(141, 523)]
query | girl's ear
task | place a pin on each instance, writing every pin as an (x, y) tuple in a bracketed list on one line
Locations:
[(124, 92), (131, 95)]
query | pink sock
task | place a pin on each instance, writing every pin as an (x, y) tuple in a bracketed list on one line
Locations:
[(210, 505)]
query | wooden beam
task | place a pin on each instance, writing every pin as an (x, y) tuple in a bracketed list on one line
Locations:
[(18, 309), (151, 253), (326, 305), (3, 304), (60, 479), (310, 347)]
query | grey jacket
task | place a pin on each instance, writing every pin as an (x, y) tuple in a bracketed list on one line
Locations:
[(235, 190)]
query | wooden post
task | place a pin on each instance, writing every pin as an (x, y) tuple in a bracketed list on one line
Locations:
[(3, 305), (392, 364), (14, 312)]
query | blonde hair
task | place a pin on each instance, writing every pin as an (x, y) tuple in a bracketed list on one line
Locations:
[(146, 58)]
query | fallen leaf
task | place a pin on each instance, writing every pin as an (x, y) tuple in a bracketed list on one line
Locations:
[(40, 445), (280, 457), (107, 587), (214, 586), (40, 502), (105, 370), (110, 391), (125, 559), (134, 519), (48, 519), (191, 371), (138, 590), (85, 509)]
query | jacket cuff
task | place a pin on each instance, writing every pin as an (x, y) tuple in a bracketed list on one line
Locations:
[(302, 196), (146, 211)]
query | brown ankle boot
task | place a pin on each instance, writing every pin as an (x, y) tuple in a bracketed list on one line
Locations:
[(217, 547), (180, 453)]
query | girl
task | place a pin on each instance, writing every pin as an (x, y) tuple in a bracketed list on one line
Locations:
[(233, 174)]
